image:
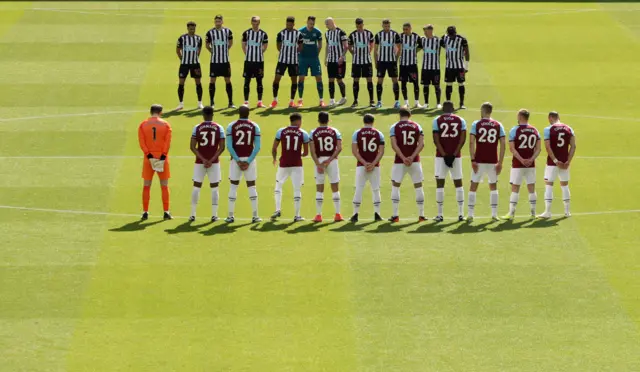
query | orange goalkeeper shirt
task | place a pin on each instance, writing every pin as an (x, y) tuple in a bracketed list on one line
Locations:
[(154, 135)]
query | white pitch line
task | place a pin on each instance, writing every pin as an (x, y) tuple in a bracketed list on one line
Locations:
[(94, 213), (53, 116), (88, 157)]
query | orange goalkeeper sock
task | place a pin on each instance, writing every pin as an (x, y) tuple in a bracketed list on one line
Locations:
[(146, 191), (165, 197)]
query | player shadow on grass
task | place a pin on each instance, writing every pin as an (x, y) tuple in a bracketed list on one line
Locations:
[(433, 227), (352, 227), (271, 226), (391, 227), (466, 228), (138, 225), (277, 111), (223, 228), (542, 223), (308, 227), (187, 227), (189, 113), (510, 225)]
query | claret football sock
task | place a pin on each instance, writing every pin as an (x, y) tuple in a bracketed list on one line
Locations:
[(195, 196), (336, 201), (253, 198), (440, 200), (471, 204), (395, 200), (215, 197), (420, 201), (548, 198), (233, 193), (493, 200), (165, 197), (460, 200), (319, 200), (533, 199), (146, 195)]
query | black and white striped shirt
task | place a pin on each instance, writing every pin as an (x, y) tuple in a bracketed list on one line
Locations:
[(360, 42), (386, 42), (190, 45), (431, 51), (219, 40), (410, 44), (254, 40), (335, 40), (290, 40), (454, 48)]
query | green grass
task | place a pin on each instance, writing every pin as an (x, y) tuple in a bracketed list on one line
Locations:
[(103, 292)]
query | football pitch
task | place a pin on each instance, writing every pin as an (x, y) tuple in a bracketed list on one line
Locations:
[(86, 286)]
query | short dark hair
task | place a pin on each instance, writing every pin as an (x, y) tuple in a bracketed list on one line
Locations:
[(487, 107), (311, 18), (323, 117), (386, 21), (218, 16), (428, 27), (447, 107), (207, 111), (295, 116), (191, 23), (451, 30), (243, 111), (407, 24), (359, 21), (368, 119), (404, 113), (554, 114), (291, 19), (156, 109), (525, 113)]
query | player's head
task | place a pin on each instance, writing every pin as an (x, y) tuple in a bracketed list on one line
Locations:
[(554, 117), (218, 20), (486, 109), (243, 112), (406, 28), (156, 109), (191, 27), (386, 24), (295, 119), (311, 22), (323, 118), (255, 22), (523, 116), (428, 30), (368, 119), (404, 113), (291, 21), (207, 113), (330, 23), (447, 107), (359, 24), (451, 31)]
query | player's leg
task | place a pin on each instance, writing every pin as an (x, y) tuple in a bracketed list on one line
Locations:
[(456, 174), (516, 181), (276, 83), (281, 176), (250, 175), (449, 79), (461, 87), (493, 190), (342, 70), (404, 79), (426, 81), (533, 198), (436, 86), (417, 176), (293, 75), (235, 173), (198, 176), (333, 173), (441, 171), (564, 176), (215, 176), (550, 174), (259, 75), (357, 195), (164, 187), (228, 86), (356, 85), (196, 74), (301, 79), (147, 177), (380, 73), (476, 177), (374, 182), (181, 82), (332, 91), (297, 178), (413, 75), (369, 76), (319, 177), (397, 175), (396, 92), (212, 84), (316, 71)]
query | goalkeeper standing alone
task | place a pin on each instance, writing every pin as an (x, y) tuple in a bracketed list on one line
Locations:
[(310, 58)]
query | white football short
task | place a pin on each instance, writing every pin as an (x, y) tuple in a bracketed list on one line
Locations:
[(332, 171), (296, 174), (551, 172), (362, 176), (517, 174), (442, 170), (398, 171), (235, 173), (212, 173), (484, 169)]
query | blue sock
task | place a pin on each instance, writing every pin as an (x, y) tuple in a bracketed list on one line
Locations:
[(320, 87), (300, 88)]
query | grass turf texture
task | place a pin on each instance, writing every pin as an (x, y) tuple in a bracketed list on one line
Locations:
[(104, 292)]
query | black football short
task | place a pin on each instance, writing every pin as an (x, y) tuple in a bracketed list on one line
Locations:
[(409, 73), (383, 68), (454, 74), (190, 69), (253, 69), (220, 70), (336, 70), (281, 68), (358, 71), (430, 77)]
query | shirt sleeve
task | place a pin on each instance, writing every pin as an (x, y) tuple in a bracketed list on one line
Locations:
[(343, 35), (351, 39), (502, 131), (199, 43), (547, 133), (381, 137), (256, 130), (464, 124), (435, 126), (300, 38), (397, 39), (512, 134), (420, 128), (194, 132), (279, 134), (208, 37), (279, 37), (370, 37), (179, 44), (142, 140), (244, 37), (354, 138), (572, 132), (229, 128), (442, 44), (537, 133), (392, 131), (319, 34), (465, 43), (473, 128), (265, 38), (338, 134), (377, 39), (305, 137), (167, 140), (221, 130), (230, 35)]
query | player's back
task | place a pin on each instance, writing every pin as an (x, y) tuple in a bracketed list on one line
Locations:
[(208, 134), (243, 133), (559, 136), (525, 138), (407, 133), (155, 134), (368, 140), (291, 139), (488, 133), (450, 127), (325, 139)]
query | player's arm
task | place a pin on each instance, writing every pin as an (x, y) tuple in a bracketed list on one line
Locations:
[(380, 151), (221, 146), (350, 44), (336, 151), (142, 140), (463, 137), (467, 55), (503, 147), (355, 150), (229, 142), (376, 48), (274, 149), (436, 138), (398, 47), (179, 48), (572, 150), (319, 44), (199, 47), (166, 145), (394, 144), (514, 152), (279, 42), (257, 143), (230, 40), (265, 43), (370, 44), (312, 151), (537, 151), (345, 44), (207, 43), (419, 147), (244, 42), (547, 145), (194, 149), (305, 144)]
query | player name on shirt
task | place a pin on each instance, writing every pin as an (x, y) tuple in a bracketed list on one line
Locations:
[(243, 133), (407, 133), (525, 138), (559, 137), (324, 140), (368, 141), (450, 127), (209, 135), (291, 141), (488, 133)]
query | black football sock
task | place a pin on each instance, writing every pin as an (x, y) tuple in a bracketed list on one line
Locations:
[(180, 92), (404, 90), (448, 91), (212, 93), (370, 89), (461, 91), (379, 91), (425, 91), (199, 92), (247, 86), (416, 90), (396, 91), (438, 93), (294, 89), (356, 90), (229, 92), (260, 88), (276, 87), (332, 89), (343, 89)]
